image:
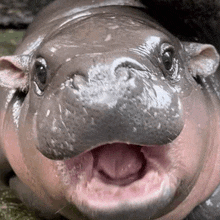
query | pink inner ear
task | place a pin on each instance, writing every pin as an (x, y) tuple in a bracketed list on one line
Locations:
[(12, 72), (10, 68), (204, 58)]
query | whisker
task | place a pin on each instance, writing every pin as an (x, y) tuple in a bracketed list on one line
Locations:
[(57, 212)]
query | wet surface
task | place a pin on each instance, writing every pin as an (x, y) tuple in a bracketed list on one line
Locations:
[(10, 207)]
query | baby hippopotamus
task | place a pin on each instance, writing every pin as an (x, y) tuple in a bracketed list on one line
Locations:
[(107, 114)]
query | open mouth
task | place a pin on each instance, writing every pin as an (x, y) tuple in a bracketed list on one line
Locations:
[(120, 174), (119, 164)]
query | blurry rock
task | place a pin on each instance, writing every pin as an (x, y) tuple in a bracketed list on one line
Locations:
[(19, 13)]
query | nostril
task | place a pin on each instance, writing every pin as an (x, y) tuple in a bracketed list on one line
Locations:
[(123, 73), (78, 81), (125, 69)]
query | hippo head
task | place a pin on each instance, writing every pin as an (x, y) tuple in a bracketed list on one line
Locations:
[(111, 117)]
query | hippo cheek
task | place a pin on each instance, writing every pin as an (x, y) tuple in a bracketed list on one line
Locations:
[(29, 165)]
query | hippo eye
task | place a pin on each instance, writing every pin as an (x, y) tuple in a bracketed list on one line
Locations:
[(167, 59), (40, 69)]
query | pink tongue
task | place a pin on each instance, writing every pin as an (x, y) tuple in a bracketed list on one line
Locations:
[(119, 161)]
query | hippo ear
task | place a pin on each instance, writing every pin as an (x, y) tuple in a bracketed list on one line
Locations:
[(203, 58), (14, 71)]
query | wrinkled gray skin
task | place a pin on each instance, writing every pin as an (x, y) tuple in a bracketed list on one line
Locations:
[(106, 112)]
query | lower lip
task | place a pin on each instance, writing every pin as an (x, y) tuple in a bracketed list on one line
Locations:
[(152, 184)]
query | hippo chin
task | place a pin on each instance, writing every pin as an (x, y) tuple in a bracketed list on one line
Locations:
[(107, 113)]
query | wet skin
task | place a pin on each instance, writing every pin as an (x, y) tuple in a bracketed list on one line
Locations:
[(105, 111)]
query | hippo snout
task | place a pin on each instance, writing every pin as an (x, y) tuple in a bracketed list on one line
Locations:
[(106, 102)]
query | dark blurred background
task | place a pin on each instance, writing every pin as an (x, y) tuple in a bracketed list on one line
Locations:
[(19, 13)]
